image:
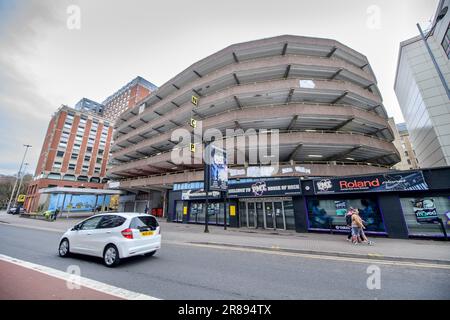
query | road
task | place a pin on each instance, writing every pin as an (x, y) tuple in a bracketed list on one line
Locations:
[(181, 271)]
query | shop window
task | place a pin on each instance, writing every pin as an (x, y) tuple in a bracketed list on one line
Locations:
[(289, 215), (326, 214), (437, 205)]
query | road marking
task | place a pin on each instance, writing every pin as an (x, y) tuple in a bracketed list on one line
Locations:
[(84, 282), (318, 256), (9, 224)]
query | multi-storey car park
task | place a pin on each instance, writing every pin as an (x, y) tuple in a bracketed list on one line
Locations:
[(321, 95)]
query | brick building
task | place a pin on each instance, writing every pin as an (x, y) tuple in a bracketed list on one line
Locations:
[(74, 153), (127, 97)]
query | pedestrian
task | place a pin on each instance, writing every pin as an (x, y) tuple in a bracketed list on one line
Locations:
[(358, 227), (146, 209), (348, 221)]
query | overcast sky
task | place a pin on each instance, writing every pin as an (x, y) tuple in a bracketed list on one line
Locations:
[(44, 64)]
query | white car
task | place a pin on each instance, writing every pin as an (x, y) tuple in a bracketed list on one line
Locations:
[(113, 236)]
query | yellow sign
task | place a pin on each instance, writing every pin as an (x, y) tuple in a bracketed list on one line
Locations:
[(193, 123), (192, 148), (185, 211), (194, 100), (232, 211), (21, 198)]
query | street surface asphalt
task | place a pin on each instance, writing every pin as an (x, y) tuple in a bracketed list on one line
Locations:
[(181, 271)]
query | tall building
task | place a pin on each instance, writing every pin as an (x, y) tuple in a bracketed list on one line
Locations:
[(74, 154), (422, 95), (89, 105), (321, 95), (127, 97), (403, 144)]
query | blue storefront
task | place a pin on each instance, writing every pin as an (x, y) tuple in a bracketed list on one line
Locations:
[(395, 204)]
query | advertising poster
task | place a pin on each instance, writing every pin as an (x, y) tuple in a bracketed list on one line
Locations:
[(341, 208), (265, 188), (409, 181), (218, 170), (425, 210)]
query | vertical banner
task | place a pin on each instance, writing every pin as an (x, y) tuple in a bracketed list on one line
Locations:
[(217, 169)]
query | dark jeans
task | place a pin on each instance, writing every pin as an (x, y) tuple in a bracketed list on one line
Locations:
[(349, 234)]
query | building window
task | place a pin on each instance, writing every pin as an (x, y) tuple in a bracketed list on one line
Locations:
[(87, 158), (72, 166), (446, 42), (406, 154), (60, 154)]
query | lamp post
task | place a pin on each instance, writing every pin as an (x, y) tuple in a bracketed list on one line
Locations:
[(433, 58), (27, 146), (22, 174)]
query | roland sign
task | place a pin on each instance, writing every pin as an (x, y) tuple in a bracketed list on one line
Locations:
[(396, 181)]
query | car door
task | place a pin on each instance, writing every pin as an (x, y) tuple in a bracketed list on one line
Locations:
[(105, 233), (86, 236)]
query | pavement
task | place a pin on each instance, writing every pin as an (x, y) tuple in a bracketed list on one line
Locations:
[(411, 250)]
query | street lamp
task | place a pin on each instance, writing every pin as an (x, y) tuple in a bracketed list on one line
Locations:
[(440, 16), (21, 182), (27, 146)]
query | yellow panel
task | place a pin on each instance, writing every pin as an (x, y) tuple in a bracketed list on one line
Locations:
[(232, 211)]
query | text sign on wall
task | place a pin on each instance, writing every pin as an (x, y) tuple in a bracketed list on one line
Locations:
[(408, 181)]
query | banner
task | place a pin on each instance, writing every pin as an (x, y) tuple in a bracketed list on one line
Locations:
[(218, 170), (263, 188), (408, 181)]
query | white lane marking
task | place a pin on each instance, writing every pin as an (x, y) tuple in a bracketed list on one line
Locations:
[(317, 256), (15, 225), (84, 282)]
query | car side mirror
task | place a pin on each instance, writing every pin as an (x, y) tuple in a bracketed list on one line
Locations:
[(76, 228)]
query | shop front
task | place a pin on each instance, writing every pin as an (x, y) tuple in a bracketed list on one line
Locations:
[(396, 204)]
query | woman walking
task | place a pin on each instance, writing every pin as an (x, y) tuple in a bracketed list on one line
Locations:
[(358, 227)]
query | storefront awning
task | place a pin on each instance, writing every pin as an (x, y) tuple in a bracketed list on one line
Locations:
[(86, 191)]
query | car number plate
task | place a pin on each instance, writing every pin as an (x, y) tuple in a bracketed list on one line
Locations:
[(147, 233)]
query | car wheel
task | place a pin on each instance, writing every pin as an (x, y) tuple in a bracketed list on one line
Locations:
[(64, 248), (111, 256), (150, 254)]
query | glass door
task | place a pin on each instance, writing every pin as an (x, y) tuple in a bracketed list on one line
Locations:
[(269, 215), (179, 211), (260, 219), (251, 209), (279, 215), (243, 215)]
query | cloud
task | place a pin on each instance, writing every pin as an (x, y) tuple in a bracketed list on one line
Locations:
[(24, 111)]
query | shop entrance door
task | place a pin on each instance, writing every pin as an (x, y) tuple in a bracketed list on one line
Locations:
[(279, 215), (251, 209), (263, 214), (269, 215)]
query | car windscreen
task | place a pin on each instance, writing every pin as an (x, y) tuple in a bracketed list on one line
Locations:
[(144, 223)]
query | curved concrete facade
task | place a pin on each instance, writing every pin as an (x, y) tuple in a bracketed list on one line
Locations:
[(321, 95)]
